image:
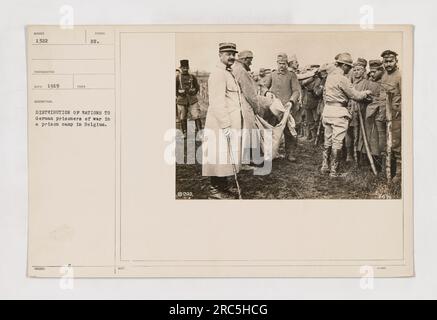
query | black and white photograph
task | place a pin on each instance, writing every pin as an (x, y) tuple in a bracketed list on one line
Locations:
[(291, 115)]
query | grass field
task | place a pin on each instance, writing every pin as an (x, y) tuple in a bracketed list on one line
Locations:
[(300, 180)]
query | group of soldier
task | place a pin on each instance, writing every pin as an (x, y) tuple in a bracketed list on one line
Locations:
[(343, 101)]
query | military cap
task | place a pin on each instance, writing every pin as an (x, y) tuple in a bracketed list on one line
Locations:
[(361, 62), (245, 54), (344, 58), (282, 57), (375, 64), (227, 47), (185, 63), (388, 53)]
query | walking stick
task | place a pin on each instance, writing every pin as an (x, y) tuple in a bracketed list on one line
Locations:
[(366, 144), (388, 115), (234, 168)]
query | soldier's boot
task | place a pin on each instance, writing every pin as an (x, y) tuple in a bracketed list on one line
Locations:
[(325, 163), (349, 154), (300, 130), (377, 161), (398, 176), (334, 163), (310, 135), (383, 159)]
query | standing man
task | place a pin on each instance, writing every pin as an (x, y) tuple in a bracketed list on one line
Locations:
[(375, 75), (263, 78), (187, 88), (223, 124), (335, 117), (391, 82), (251, 104), (376, 70), (285, 86)]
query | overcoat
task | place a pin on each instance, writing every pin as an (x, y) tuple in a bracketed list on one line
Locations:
[(224, 111)]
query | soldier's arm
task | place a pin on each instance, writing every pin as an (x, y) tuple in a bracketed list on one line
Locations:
[(350, 91), (295, 89), (217, 99)]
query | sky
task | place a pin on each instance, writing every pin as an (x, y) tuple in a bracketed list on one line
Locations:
[(309, 47)]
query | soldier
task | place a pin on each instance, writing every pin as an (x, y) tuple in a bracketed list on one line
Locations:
[(251, 103), (391, 82), (263, 78), (285, 86), (223, 121), (187, 88), (335, 117)]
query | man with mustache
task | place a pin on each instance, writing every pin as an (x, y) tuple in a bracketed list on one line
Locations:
[(223, 122), (391, 82)]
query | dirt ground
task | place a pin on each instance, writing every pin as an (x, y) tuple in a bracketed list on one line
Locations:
[(300, 180)]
